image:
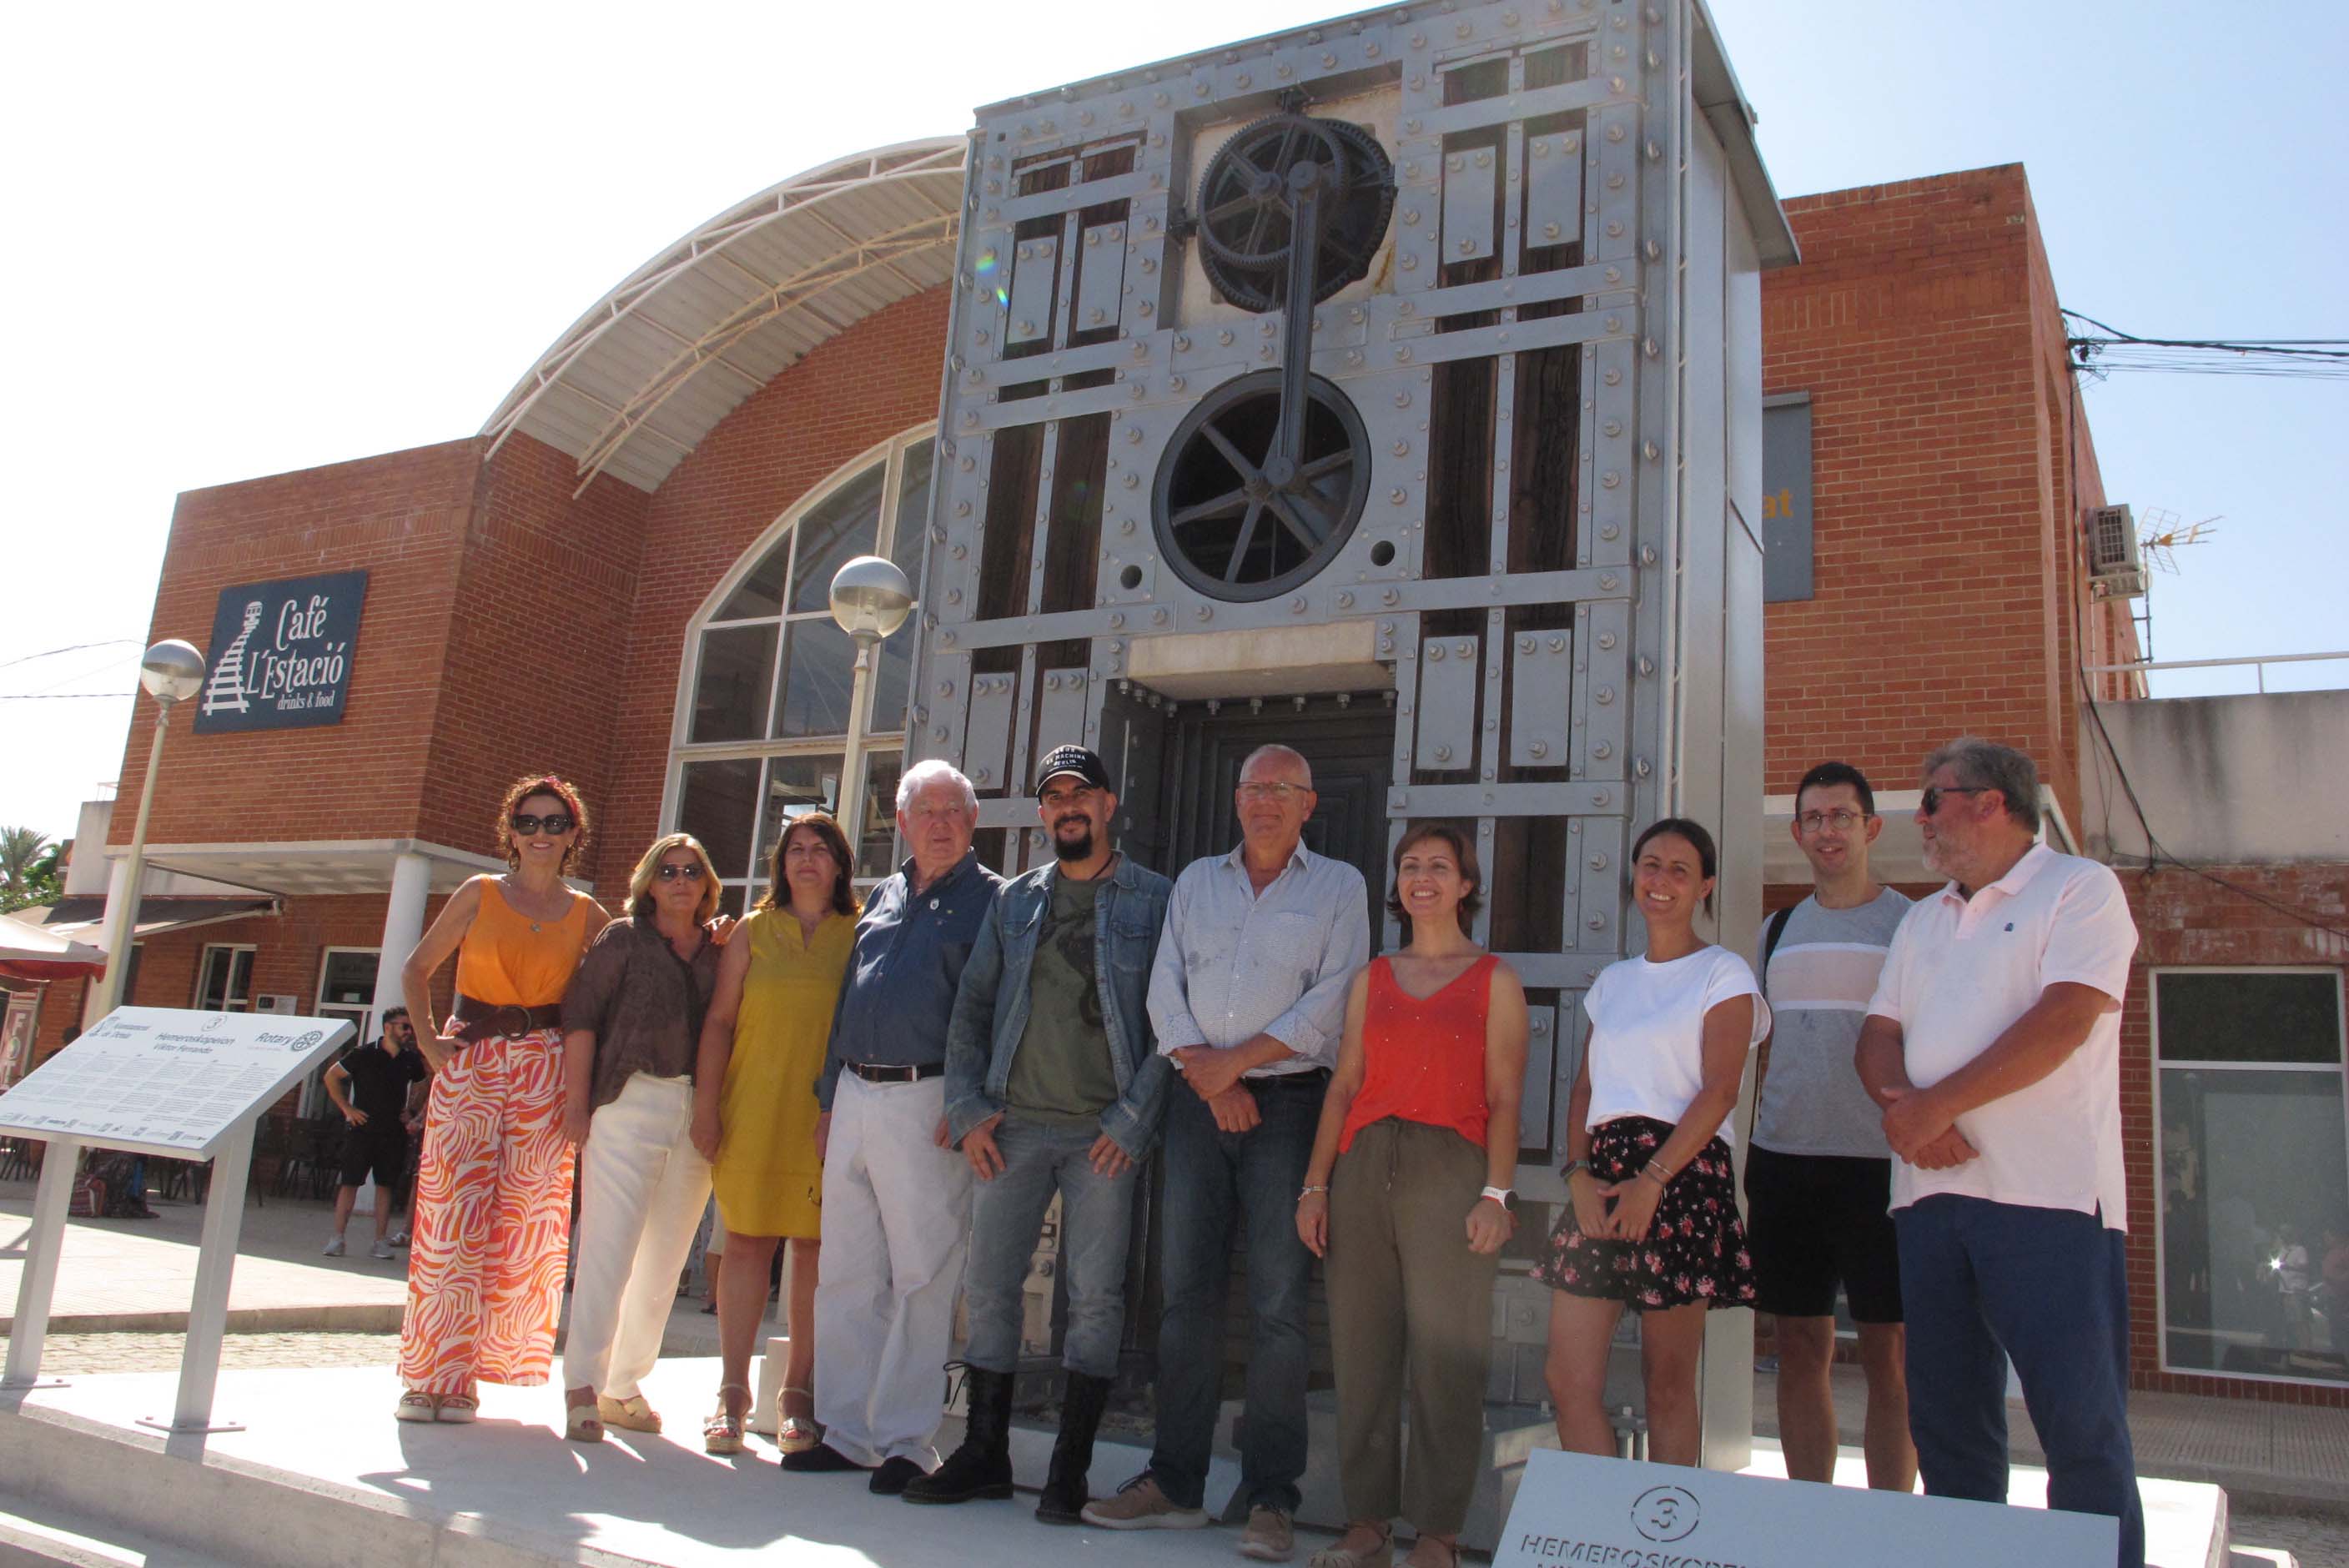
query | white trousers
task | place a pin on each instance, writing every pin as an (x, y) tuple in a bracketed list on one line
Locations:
[(896, 1221), (642, 1185)]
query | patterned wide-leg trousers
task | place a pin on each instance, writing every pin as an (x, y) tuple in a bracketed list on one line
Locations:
[(492, 1220)]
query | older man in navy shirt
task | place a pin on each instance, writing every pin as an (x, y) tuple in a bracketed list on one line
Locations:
[(1248, 997), (896, 1199)]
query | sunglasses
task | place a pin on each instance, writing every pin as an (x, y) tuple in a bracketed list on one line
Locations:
[(671, 873), (556, 823), (1930, 802)]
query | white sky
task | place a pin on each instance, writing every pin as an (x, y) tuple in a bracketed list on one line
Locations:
[(249, 240)]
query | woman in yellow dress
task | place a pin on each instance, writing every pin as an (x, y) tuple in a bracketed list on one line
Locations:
[(762, 1045)]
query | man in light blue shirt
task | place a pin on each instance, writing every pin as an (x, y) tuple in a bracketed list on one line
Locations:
[(1248, 997)]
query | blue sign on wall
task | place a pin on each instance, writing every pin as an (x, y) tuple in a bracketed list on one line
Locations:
[(281, 654)]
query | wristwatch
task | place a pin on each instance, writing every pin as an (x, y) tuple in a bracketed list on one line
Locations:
[(1505, 1196)]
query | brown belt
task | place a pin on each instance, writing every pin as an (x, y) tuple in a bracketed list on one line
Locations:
[(473, 1021)]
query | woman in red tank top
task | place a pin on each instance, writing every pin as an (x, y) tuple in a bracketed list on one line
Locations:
[(1421, 1113)]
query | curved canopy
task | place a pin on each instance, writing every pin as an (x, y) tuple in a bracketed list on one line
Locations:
[(636, 382)]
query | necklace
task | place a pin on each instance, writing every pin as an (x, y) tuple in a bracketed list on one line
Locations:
[(512, 885)]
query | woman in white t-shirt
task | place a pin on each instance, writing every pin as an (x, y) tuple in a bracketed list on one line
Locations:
[(1653, 1225)]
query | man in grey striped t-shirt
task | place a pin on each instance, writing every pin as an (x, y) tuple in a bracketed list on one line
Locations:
[(1818, 1175)]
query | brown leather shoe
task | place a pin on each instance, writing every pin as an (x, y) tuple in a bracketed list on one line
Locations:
[(1267, 1538), (1140, 1505)]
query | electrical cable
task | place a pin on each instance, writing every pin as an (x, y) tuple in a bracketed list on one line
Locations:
[(69, 648), (2299, 358), (57, 695)]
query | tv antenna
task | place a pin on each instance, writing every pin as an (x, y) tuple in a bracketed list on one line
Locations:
[(2163, 536)]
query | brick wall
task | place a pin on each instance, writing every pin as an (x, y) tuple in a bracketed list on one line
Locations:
[(1948, 471), (2184, 918), (402, 518), (874, 381)]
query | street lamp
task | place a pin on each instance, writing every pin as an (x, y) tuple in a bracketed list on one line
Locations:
[(870, 599), (173, 672)]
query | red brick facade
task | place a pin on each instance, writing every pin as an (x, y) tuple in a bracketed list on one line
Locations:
[(1922, 321)]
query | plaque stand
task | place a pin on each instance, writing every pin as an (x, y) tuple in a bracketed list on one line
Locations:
[(39, 1281)]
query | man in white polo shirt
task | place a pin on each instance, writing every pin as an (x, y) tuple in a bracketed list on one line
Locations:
[(1993, 1046)]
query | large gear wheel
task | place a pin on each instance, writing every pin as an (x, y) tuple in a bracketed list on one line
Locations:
[(1246, 206)]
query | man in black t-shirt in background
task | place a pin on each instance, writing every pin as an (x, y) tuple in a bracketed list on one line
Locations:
[(371, 1086)]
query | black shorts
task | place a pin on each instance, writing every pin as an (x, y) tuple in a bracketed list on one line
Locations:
[(1814, 1220), (377, 1149)]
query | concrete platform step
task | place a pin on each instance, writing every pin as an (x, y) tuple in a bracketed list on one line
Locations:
[(2259, 1557), (33, 1533)]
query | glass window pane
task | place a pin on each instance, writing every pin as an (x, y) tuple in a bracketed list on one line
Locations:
[(717, 805), (844, 525), (795, 785), (240, 984), (2255, 1197), (731, 898), (2221, 1015), (893, 674), (819, 663), (212, 984), (913, 513), (878, 842), (731, 693), (350, 978), (761, 593)]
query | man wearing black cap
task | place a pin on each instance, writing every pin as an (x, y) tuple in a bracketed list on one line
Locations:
[(1054, 1083)]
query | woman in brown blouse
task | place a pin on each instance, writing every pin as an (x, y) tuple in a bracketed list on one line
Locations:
[(631, 1020)]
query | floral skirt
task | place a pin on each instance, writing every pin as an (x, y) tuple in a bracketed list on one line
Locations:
[(1696, 1247)]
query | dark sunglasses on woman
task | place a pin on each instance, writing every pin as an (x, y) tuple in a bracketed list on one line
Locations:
[(671, 873), (556, 823)]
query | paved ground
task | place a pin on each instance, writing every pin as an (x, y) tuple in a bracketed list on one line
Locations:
[(142, 1274)]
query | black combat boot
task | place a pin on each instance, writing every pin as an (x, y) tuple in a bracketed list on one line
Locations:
[(1065, 1496), (982, 1466)]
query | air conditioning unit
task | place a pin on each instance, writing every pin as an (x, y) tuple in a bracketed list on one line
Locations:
[(277, 1005), (2115, 570)]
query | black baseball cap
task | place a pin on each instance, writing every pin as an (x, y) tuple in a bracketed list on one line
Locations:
[(1077, 759)]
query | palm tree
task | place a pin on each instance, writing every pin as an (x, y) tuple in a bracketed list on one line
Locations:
[(20, 854)]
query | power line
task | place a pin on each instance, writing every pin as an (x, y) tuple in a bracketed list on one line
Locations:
[(58, 696), (2295, 359), (69, 648)]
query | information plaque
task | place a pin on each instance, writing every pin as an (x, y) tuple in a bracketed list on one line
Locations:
[(169, 1082), (164, 1081), (1574, 1510)]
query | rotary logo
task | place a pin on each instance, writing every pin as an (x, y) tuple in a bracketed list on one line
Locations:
[(1665, 1513), (304, 1042)]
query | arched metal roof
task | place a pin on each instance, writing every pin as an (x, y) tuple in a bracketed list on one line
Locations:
[(636, 382)]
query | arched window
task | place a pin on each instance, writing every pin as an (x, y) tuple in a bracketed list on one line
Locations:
[(763, 710)]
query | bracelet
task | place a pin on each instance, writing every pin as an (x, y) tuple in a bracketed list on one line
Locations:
[(1308, 1191), (1572, 1166), (1652, 1171)]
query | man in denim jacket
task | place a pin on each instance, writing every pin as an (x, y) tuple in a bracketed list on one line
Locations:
[(1054, 1083)]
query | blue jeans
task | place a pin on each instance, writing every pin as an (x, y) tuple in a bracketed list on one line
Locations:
[(2049, 1288), (1214, 1179), (1096, 1219)]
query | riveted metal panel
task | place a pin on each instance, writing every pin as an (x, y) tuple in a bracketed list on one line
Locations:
[(991, 729), (1035, 271), (1101, 277), (1470, 178), (1061, 710), (1554, 188), (1540, 1105), (1541, 676), (1447, 704)]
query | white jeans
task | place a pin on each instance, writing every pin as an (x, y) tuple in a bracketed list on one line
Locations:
[(642, 1185), (896, 1219)]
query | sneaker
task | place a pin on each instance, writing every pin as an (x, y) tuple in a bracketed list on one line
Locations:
[(1140, 1505), (381, 1252), (1267, 1538), (334, 1247), (398, 1238)]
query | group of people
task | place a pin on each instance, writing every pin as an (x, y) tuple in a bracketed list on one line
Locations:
[(917, 1078)]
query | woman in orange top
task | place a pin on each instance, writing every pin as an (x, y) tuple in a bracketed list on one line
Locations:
[(494, 1187), (1421, 1114)]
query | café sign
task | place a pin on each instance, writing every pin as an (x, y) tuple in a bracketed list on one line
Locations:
[(281, 654)]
